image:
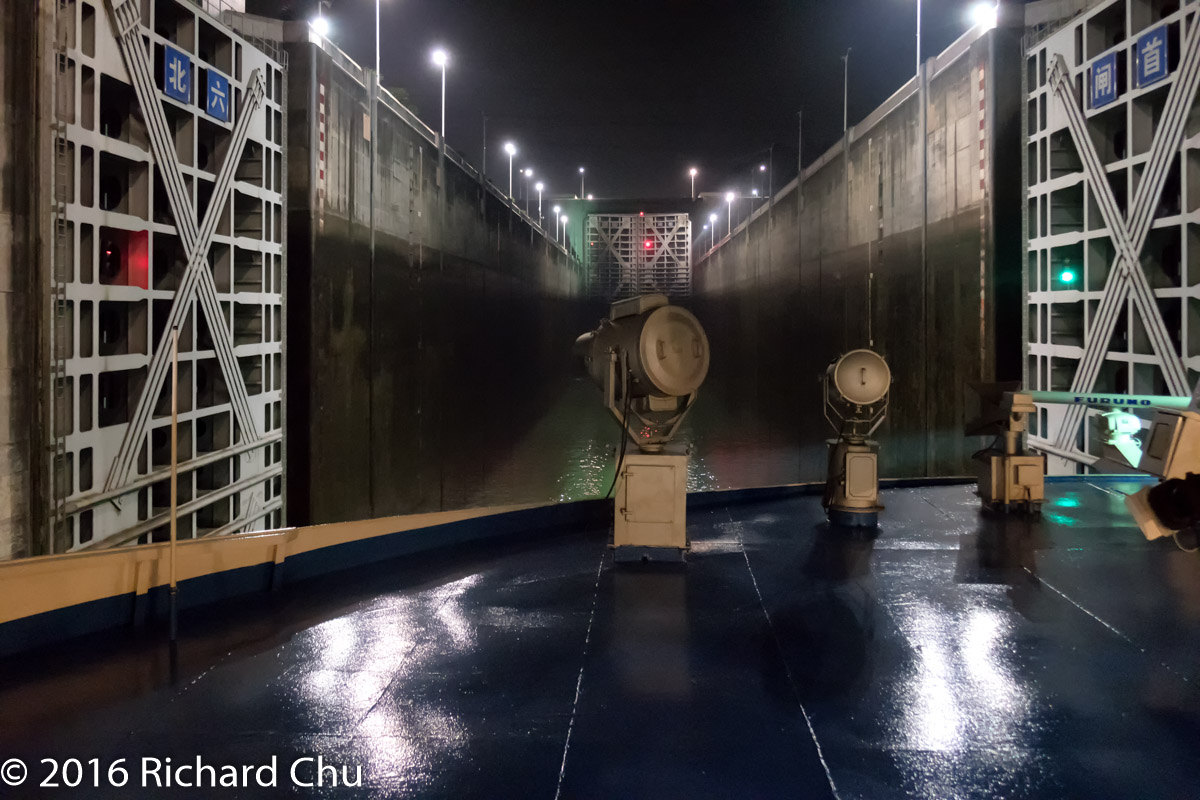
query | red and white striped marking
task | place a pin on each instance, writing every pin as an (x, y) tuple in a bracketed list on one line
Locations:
[(983, 226), (321, 142), (982, 132)]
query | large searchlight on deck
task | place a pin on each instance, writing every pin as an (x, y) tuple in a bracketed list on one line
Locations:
[(649, 358), (856, 402)]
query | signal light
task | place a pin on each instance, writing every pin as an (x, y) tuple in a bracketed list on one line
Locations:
[(1067, 276), (649, 243), (641, 213)]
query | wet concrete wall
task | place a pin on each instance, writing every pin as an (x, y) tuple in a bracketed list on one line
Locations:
[(836, 264), (413, 381), (25, 96)]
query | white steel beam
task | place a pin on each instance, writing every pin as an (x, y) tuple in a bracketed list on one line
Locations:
[(1126, 277), (197, 281)]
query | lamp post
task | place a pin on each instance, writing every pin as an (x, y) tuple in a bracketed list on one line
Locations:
[(528, 173), (539, 188), (564, 229), (712, 230), (846, 92), (557, 209), (729, 198), (581, 194), (692, 172), (918, 37), (511, 149), (440, 59)]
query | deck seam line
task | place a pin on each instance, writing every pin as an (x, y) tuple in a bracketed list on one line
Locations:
[(786, 667), (1112, 628), (587, 639)]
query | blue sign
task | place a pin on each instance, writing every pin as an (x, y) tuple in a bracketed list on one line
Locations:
[(1152, 56), (177, 74), (1104, 89), (217, 97)]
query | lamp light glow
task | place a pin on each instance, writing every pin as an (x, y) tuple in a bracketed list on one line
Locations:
[(984, 15), (1067, 276), (320, 26), (440, 57)]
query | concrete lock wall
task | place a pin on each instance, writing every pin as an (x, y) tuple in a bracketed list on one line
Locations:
[(839, 266), (26, 61), (409, 382)]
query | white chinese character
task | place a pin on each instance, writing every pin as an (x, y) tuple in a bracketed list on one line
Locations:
[(216, 98), (177, 76), (1152, 56), (1102, 81)]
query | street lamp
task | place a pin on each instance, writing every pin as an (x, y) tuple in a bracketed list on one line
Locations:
[(729, 198), (712, 230), (320, 26), (556, 210), (581, 195), (589, 197), (984, 15), (564, 229), (692, 172), (528, 173), (511, 149), (539, 188), (440, 59)]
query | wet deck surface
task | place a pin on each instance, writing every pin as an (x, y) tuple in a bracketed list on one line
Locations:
[(949, 656)]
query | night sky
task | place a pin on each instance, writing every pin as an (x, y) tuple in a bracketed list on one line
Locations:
[(640, 91)]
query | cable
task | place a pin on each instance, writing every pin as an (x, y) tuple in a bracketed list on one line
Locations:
[(624, 440), (830, 480)]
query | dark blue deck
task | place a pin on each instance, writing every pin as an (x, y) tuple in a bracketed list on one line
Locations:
[(950, 656)]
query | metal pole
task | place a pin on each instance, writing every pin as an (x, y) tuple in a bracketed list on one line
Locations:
[(581, 194), (918, 36), (771, 175), (693, 186), (800, 155), (371, 265), (729, 223), (556, 226), (483, 170), (510, 194), (443, 101), (173, 593), (846, 92), (539, 208), (712, 236)]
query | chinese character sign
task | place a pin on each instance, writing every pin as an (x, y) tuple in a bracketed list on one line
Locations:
[(1152, 56), (1104, 80), (217, 102), (177, 74)]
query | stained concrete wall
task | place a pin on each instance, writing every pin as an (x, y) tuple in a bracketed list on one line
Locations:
[(837, 265), (409, 382), (24, 97)]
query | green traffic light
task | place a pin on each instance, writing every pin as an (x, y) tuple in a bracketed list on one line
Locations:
[(1067, 276)]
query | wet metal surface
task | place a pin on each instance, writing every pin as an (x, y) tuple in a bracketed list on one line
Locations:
[(948, 656)]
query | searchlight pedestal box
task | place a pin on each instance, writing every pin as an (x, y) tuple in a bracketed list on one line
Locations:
[(650, 512)]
